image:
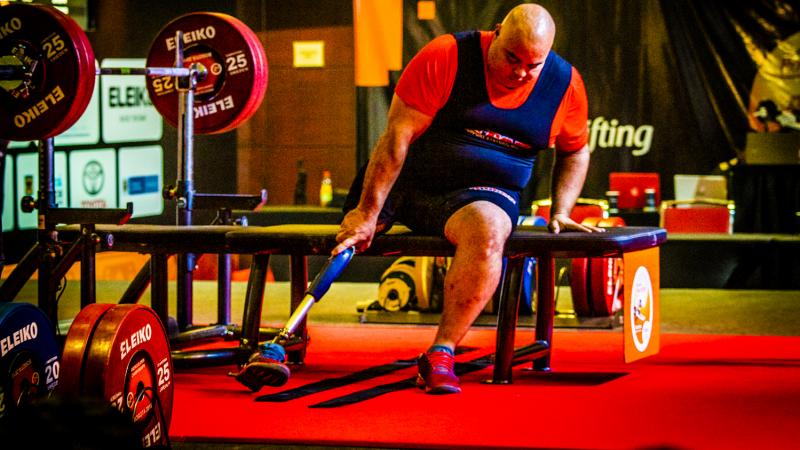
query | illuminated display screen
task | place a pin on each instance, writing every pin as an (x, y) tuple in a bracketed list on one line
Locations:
[(77, 9)]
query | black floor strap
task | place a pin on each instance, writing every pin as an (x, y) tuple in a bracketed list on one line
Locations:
[(366, 394), (333, 383), (355, 377)]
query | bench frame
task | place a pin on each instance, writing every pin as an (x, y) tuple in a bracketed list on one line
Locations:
[(300, 241)]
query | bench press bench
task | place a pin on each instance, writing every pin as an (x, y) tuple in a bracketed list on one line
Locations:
[(301, 241)]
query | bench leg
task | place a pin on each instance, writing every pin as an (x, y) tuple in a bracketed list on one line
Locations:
[(507, 319), (224, 269), (545, 308), (159, 286), (184, 293), (254, 301), (298, 273)]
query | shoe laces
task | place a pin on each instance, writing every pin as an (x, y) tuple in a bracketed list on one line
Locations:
[(441, 362)]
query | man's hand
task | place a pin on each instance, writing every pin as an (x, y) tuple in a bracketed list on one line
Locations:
[(562, 222), (357, 229)]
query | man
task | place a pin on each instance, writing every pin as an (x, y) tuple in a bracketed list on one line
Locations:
[(469, 115)]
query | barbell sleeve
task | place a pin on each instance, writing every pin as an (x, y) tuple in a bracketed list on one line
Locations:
[(149, 71), (12, 73)]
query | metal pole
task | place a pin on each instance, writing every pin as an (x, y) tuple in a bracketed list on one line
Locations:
[(88, 272), (45, 238), (46, 195), (185, 186)]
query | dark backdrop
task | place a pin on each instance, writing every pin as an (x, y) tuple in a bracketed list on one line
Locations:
[(678, 66)]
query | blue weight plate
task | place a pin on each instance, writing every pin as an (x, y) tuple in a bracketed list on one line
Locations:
[(29, 356)]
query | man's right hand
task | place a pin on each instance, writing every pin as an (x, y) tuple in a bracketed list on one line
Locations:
[(562, 222), (357, 230)]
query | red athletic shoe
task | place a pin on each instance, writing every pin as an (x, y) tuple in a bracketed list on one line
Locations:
[(436, 373), (265, 368)]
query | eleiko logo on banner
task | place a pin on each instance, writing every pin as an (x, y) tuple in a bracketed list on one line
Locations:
[(610, 134)]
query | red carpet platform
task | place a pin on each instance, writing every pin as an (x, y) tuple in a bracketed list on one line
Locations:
[(701, 391)]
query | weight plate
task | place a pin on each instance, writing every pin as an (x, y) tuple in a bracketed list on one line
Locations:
[(606, 278), (76, 346), (29, 363), (591, 221), (397, 290), (606, 274), (60, 60), (236, 66), (261, 63), (612, 222), (88, 72), (592, 280), (128, 364), (578, 284)]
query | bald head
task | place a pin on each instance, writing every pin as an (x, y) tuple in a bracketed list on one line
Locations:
[(530, 22), (524, 39)]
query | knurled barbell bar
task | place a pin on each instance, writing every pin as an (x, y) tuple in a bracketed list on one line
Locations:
[(48, 71)]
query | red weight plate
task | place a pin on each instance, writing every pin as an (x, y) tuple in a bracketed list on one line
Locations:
[(612, 222), (57, 51), (236, 65), (88, 72), (129, 365), (606, 278), (605, 285), (578, 282), (261, 66), (579, 278), (76, 346), (591, 221)]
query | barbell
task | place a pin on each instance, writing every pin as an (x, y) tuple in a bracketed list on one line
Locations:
[(48, 71)]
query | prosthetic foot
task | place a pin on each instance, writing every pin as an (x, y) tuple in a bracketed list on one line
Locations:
[(265, 368)]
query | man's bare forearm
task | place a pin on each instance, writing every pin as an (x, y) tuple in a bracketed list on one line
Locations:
[(569, 174), (405, 125), (382, 172)]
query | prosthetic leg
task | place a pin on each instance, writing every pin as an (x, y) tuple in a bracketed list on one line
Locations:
[(266, 366)]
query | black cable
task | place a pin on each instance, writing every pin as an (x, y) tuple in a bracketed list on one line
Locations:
[(62, 286), (156, 402)]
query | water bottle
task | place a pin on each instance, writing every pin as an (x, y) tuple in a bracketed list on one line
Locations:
[(326, 189)]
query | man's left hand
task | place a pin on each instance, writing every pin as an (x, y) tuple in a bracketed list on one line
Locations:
[(562, 222)]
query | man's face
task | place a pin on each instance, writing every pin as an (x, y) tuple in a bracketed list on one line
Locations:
[(514, 60)]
